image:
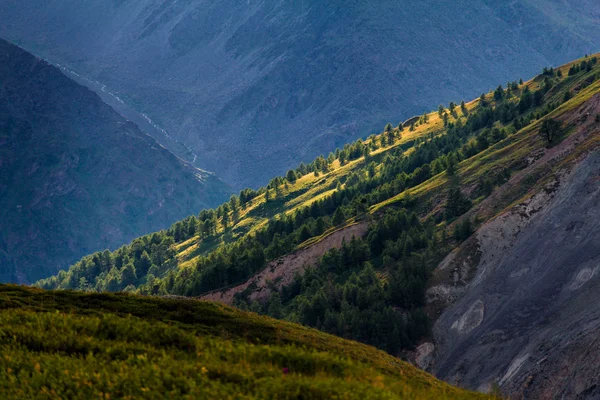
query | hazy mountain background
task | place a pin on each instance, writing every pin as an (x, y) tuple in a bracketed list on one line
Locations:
[(76, 177), (254, 87)]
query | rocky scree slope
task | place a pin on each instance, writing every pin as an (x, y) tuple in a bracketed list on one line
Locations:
[(75, 176), (520, 294), (255, 87)]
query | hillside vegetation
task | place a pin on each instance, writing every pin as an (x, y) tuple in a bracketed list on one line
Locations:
[(413, 185), (74, 345), (255, 87)]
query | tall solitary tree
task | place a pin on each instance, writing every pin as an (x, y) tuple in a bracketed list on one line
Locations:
[(551, 129), (499, 93)]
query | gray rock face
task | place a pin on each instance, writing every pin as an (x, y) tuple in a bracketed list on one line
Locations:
[(254, 87), (530, 320)]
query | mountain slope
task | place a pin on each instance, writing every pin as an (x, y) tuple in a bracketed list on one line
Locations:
[(77, 345), (350, 243), (531, 302), (75, 176), (525, 282), (255, 87)]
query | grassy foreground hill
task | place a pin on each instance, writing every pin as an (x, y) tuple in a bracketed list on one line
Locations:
[(61, 344), (408, 196)]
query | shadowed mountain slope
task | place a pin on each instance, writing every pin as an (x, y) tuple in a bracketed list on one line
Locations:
[(75, 176), (255, 87)]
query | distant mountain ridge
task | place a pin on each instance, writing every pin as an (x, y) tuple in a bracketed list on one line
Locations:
[(255, 87), (75, 176)]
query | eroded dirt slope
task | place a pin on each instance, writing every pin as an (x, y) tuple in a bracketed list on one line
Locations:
[(281, 272)]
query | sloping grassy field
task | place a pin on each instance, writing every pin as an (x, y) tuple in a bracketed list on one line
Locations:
[(60, 344)]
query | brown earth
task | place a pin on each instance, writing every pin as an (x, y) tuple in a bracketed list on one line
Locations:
[(281, 272)]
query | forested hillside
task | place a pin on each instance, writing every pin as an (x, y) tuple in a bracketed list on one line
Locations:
[(410, 186), (76, 177), (253, 88)]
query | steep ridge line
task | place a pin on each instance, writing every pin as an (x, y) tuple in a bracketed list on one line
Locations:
[(281, 272)]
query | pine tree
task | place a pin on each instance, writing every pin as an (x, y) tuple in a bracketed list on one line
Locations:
[(499, 94), (463, 230), (551, 129), (275, 308), (338, 216), (457, 204), (451, 168), (291, 176), (128, 275)]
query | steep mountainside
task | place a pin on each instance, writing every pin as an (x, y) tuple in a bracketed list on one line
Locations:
[(75, 176), (254, 87), (532, 300), (525, 284), (438, 220), (82, 346)]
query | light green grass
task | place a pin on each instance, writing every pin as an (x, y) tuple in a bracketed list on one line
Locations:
[(74, 345)]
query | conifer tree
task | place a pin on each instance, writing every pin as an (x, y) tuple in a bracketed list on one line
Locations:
[(338, 216)]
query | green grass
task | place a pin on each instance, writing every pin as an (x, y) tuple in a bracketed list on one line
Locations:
[(73, 345), (511, 152)]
